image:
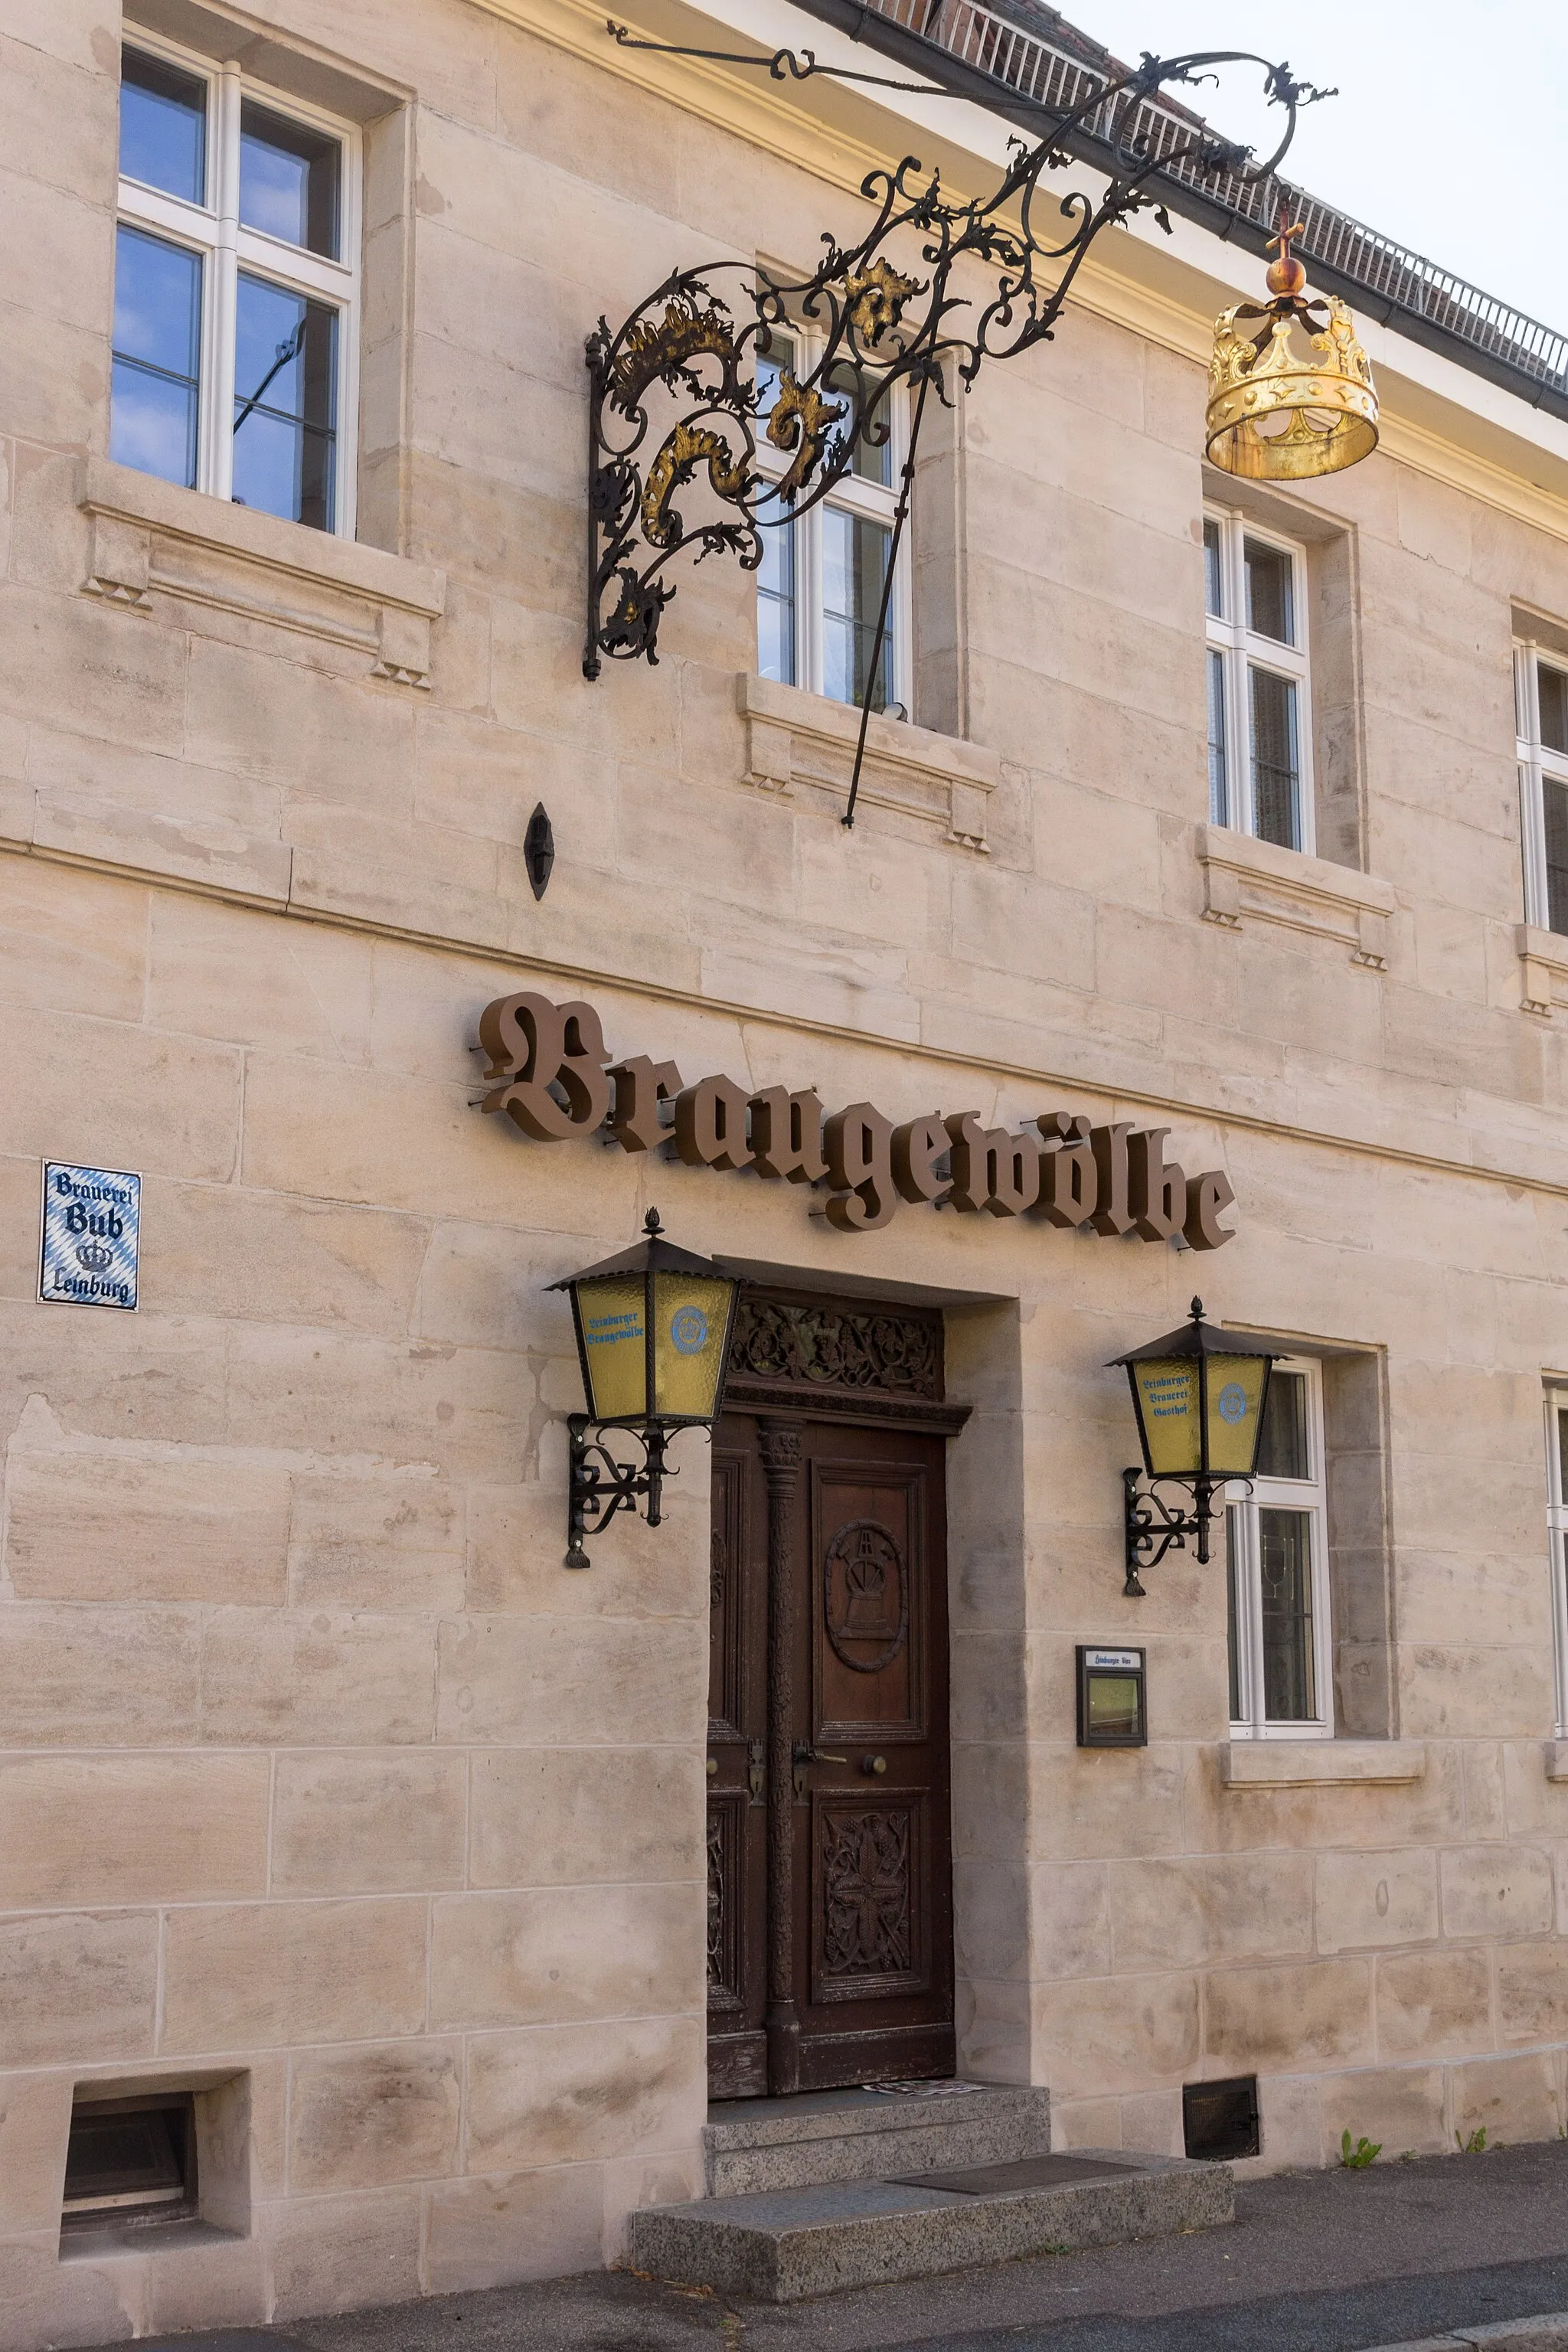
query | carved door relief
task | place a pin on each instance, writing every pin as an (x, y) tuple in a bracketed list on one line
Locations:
[(829, 1905)]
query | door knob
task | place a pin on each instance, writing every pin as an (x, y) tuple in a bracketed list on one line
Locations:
[(877, 1764), (713, 1767)]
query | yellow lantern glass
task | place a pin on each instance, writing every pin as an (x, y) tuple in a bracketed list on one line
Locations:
[(612, 1325), (690, 1334), (1167, 1397), (1235, 1385)]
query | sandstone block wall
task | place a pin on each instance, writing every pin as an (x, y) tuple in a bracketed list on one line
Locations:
[(325, 1792)]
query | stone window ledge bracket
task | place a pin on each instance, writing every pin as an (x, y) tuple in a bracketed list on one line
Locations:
[(797, 739), (1246, 880), (151, 537)]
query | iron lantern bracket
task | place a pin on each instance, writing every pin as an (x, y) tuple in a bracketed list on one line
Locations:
[(598, 1485), (1153, 1529)]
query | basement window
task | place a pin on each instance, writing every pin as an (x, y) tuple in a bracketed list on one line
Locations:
[(1219, 2120), (131, 2161)]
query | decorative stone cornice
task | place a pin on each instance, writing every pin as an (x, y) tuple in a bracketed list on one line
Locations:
[(794, 737), (1247, 880), (151, 538)]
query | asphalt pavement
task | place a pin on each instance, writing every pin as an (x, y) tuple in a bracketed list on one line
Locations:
[(1323, 2261)]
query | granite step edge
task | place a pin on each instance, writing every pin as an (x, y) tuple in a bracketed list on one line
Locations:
[(990, 2137), (883, 2232), (786, 2121)]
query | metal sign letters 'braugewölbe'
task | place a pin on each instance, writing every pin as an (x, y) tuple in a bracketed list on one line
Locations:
[(550, 1073)]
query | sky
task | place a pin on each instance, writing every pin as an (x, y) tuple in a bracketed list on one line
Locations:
[(1448, 133)]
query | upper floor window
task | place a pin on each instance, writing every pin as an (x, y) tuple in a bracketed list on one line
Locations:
[(1540, 696), (1258, 720), (1282, 1650), (819, 590), (235, 292), (1557, 1538)]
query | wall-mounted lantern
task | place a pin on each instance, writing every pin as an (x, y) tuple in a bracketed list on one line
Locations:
[(653, 1340), (1199, 1395)]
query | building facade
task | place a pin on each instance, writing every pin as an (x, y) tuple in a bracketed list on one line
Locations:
[(413, 1880)]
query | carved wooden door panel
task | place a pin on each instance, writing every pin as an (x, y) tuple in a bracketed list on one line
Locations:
[(829, 1870), (873, 1874), (737, 1736)]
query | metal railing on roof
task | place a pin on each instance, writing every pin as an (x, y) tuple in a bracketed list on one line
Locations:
[(1410, 288)]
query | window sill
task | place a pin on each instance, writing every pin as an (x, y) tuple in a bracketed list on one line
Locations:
[(797, 739), (85, 2244), (1307, 1763), (1544, 958), (1247, 879), (150, 538)]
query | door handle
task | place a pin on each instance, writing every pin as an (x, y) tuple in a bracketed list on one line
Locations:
[(805, 1753)]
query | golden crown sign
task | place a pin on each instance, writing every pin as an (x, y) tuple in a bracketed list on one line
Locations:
[(1279, 413)]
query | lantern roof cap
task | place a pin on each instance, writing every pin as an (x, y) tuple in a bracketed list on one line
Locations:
[(1198, 1339), (652, 1255)]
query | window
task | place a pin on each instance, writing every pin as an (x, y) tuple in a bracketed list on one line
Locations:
[(1557, 1538), (131, 2161), (235, 340), (820, 587), (1281, 1645), (1259, 721), (1541, 695)]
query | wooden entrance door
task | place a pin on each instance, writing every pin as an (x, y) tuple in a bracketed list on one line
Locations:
[(829, 1885)]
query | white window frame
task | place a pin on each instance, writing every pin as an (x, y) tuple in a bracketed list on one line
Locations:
[(213, 230), (1309, 1494), (1242, 650), (1537, 761), (851, 494), (1557, 1548)]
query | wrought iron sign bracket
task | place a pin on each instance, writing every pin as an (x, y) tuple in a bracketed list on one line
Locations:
[(883, 317), (598, 1485), (1153, 1529)]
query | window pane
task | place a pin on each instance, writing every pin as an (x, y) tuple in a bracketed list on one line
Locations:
[(163, 127), (1219, 786), (289, 180), (1270, 593), (1282, 1448), (775, 606), (1285, 1577), (771, 364), (284, 398), (1552, 686), (1276, 775), (157, 339), (873, 461), (1562, 1420), (854, 566), (1233, 1626), (1214, 572), (1554, 795)]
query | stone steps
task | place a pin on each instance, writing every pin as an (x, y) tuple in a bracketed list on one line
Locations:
[(780, 2245), (754, 2145)]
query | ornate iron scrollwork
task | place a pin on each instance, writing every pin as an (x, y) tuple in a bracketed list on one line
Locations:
[(882, 312)]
